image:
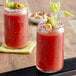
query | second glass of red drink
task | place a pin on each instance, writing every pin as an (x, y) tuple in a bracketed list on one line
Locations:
[(50, 48), (50, 42)]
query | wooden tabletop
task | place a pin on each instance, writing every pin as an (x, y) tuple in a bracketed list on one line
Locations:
[(10, 62)]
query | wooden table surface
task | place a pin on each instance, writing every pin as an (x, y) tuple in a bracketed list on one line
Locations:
[(10, 62)]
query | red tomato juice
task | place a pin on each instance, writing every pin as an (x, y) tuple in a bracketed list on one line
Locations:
[(16, 30), (50, 51)]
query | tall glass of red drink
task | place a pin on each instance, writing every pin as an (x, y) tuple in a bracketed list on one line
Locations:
[(16, 27), (50, 49)]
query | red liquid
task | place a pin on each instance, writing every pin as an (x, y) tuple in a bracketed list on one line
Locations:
[(16, 30), (50, 49)]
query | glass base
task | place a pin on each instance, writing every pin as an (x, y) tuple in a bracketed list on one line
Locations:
[(11, 47), (46, 71)]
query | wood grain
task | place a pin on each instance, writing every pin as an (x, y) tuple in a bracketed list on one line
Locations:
[(10, 62)]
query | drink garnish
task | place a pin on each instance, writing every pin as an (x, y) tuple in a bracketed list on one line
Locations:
[(12, 5), (67, 13), (48, 27), (56, 9), (18, 6)]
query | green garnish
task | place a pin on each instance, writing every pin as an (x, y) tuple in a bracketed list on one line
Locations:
[(10, 4), (55, 7), (67, 13), (53, 21)]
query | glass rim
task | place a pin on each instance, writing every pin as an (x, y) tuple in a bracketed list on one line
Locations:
[(54, 30), (6, 8), (15, 11)]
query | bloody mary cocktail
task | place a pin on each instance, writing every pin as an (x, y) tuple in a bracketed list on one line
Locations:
[(50, 49), (16, 27)]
